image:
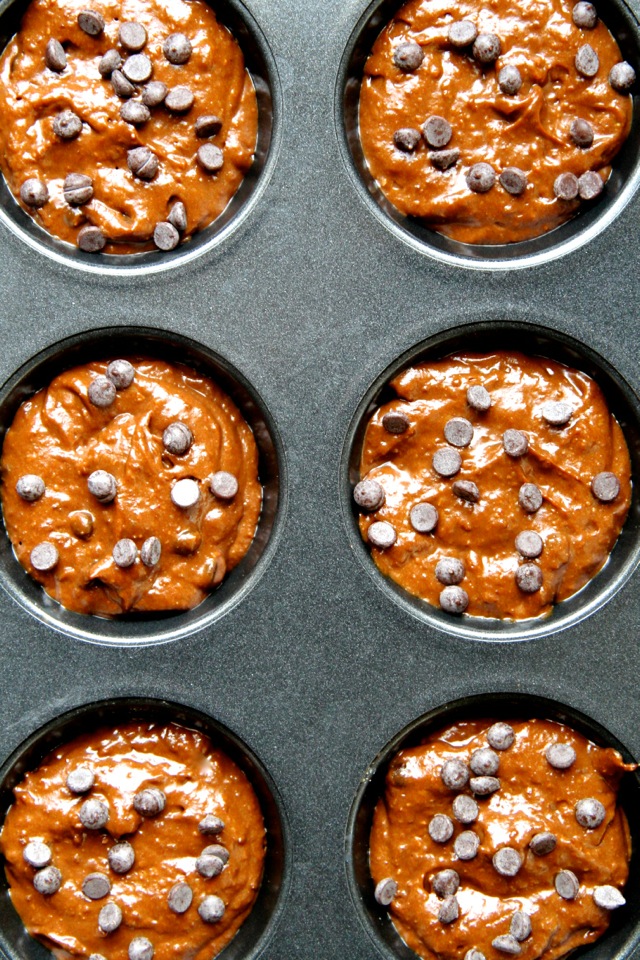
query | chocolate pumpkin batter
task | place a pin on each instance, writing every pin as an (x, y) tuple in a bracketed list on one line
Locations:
[(197, 781), (147, 500), (426, 175), (513, 531), (125, 208)]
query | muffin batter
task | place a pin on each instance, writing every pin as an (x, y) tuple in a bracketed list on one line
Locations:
[(501, 840), (130, 486), (169, 795), (200, 124), (495, 484), (470, 114)]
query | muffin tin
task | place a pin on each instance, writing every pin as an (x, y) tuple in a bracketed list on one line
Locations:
[(304, 303)]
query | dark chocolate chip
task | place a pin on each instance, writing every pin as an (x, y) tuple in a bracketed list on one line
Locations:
[(501, 736), (91, 239), (447, 462), (484, 786), (385, 891), (515, 443), (441, 828), (450, 570), (211, 825), (180, 897), (479, 398), (67, 125), (480, 178), (177, 438), (54, 56), (408, 56), (223, 485), (142, 163), (444, 159), (449, 910), (121, 374), (179, 100), (151, 551), (454, 600), (91, 22), (530, 497), (93, 814), (138, 68), (466, 845), (471, 954), (132, 36), (520, 926), (542, 843), (96, 886), (149, 802), (437, 132), (177, 48), (121, 857), (177, 216), (445, 883), (567, 885), (484, 762), (406, 139), (507, 943), (37, 854), (109, 62), (510, 80), (590, 813), (590, 185), (110, 918), (514, 181), (465, 809), (102, 485), (560, 755), (135, 113), (34, 193), (529, 544), (48, 881), (585, 15), (369, 495), (210, 157), (211, 909), (486, 47), (565, 186), (209, 866), (586, 61), (454, 774), (80, 780), (507, 861), (208, 125), (44, 557), (467, 490), (462, 33), (141, 948), (581, 133), (622, 76), (101, 392), (30, 487), (121, 85), (165, 236), (395, 422), (185, 493), (423, 517), (458, 432), (529, 578), (382, 535), (605, 487), (557, 413), (608, 897), (153, 93), (125, 553), (78, 189), (217, 850)]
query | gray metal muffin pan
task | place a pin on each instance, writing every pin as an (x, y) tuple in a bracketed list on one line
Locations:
[(305, 299)]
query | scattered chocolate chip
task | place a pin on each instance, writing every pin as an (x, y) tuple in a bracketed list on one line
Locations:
[(467, 490), (395, 422), (586, 61), (154, 93), (622, 76), (67, 125), (77, 189), (34, 193), (96, 956), (110, 918), (450, 570), (514, 181), (93, 814), (121, 374), (444, 159), (447, 462), (590, 813), (121, 86), (137, 69), (472, 954), (437, 132), (385, 891), (408, 56), (177, 216), (423, 517), (91, 22), (91, 239), (484, 786), (458, 432), (407, 139), (449, 910), (510, 80), (132, 36), (560, 755), (177, 438), (30, 487), (125, 553), (507, 943), (507, 861), (515, 443), (217, 850), (454, 600), (44, 557), (121, 857), (180, 897), (486, 47), (102, 485), (209, 866), (529, 544), (441, 828), (149, 802), (608, 897), (211, 825), (605, 487), (590, 185), (37, 854), (109, 62), (208, 125), (445, 883), (223, 485), (151, 551), (529, 578), (581, 133), (557, 413), (462, 33), (501, 736), (96, 886), (454, 774), (141, 948), (54, 56), (466, 845), (177, 48), (567, 885), (465, 809), (81, 523), (484, 762), (480, 178), (211, 909), (142, 163), (165, 235), (382, 535), (565, 186), (101, 392), (520, 926), (48, 881), (179, 100), (80, 780), (135, 113), (478, 398), (530, 497), (369, 495), (542, 843), (585, 15), (210, 157)]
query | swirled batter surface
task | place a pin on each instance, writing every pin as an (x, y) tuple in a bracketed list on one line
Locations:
[(197, 780), (529, 130)]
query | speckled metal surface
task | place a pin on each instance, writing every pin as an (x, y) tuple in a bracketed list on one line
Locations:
[(310, 299)]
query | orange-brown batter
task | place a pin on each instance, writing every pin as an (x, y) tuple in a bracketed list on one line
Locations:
[(533, 797), (528, 130), (577, 531), (125, 208), (62, 438), (197, 780)]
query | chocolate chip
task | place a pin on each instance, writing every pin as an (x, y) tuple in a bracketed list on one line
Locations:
[(462, 33), (93, 814), (385, 891), (210, 157), (78, 189), (487, 47), (608, 897), (217, 850), (565, 186), (211, 909), (44, 557), (54, 56), (102, 485), (444, 159), (447, 462), (34, 193), (590, 813), (450, 570), (454, 600), (408, 56), (466, 845), (185, 493), (132, 36), (437, 132), (484, 762), (96, 886), (458, 432), (529, 578), (484, 786), (369, 495), (149, 802), (125, 553), (80, 780), (560, 755), (208, 125), (177, 48), (178, 216), (529, 544), (67, 125), (211, 825), (557, 413), (466, 490), (586, 61), (501, 736), (165, 236), (520, 926), (142, 163), (454, 774), (154, 93), (48, 881), (471, 954), (605, 487), (135, 113), (382, 535), (37, 854), (395, 422), (101, 392), (141, 948), (121, 857), (91, 239), (581, 133), (179, 100), (209, 866), (180, 897), (137, 69), (478, 398), (110, 918), (30, 487), (121, 85), (407, 139), (423, 517), (121, 373), (530, 497), (585, 15), (465, 809), (480, 178), (150, 552), (109, 62), (515, 443), (510, 80), (223, 485), (96, 956), (622, 76), (507, 861), (567, 885), (590, 185), (441, 828), (91, 22), (514, 181), (449, 911), (177, 438), (542, 843), (506, 943), (445, 883)]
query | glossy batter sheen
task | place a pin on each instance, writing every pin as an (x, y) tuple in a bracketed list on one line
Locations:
[(60, 436), (529, 131), (577, 530), (125, 208), (197, 779), (533, 797)]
